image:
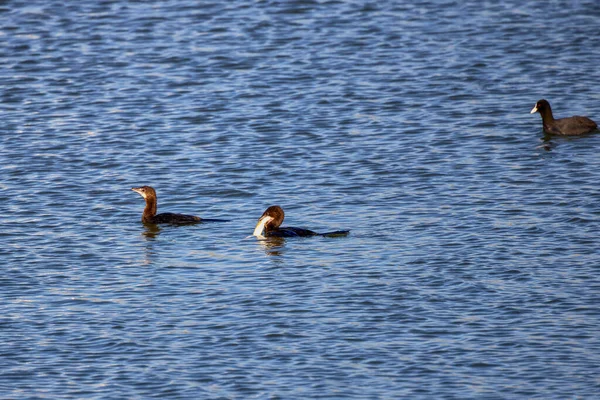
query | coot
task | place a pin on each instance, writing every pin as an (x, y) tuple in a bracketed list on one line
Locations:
[(564, 126)]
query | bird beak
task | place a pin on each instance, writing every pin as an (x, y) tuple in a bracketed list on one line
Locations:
[(260, 226), (139, 191), (534, 109)]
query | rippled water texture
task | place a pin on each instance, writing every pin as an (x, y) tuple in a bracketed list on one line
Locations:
[(472, 267)]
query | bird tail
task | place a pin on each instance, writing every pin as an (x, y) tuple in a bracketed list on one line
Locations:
[(335, 234)]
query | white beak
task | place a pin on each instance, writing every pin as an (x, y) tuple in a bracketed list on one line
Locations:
[(139, 191), (534, 109)]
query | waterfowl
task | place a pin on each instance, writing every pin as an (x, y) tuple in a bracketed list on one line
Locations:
[(149, 216), (269, 225), (569, 126)]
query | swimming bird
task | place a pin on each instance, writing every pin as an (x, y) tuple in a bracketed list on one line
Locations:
[(150, 216), (269, 225), (564, 126)]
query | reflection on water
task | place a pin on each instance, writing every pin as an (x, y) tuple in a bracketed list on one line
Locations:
[(151, 230), (272, 246), (552, 142), (547, 143)]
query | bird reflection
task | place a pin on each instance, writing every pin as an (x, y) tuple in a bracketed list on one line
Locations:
[(151, 230), (547, 144), (272, 246)]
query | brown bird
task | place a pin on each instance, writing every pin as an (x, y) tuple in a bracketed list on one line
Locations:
[(151, 217), (269, 225)]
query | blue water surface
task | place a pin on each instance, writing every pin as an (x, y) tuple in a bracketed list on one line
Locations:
[(472, 266)]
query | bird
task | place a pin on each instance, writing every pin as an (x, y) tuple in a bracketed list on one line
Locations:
[(569, 126), (269, 226), (149, 216)]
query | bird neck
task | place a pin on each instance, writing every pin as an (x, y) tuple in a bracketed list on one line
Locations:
[(547, 116), (150, 210)]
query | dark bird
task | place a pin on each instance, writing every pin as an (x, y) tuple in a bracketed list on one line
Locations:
[(151, 217), (269, 225), (564, 126)]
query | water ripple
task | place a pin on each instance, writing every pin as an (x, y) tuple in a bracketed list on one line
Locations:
[(470, 270)]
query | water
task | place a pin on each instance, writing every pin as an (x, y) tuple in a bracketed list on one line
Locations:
[(472, 267)]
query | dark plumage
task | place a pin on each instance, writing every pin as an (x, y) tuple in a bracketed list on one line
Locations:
[(564, 126), (269, 225), (150, 216)]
